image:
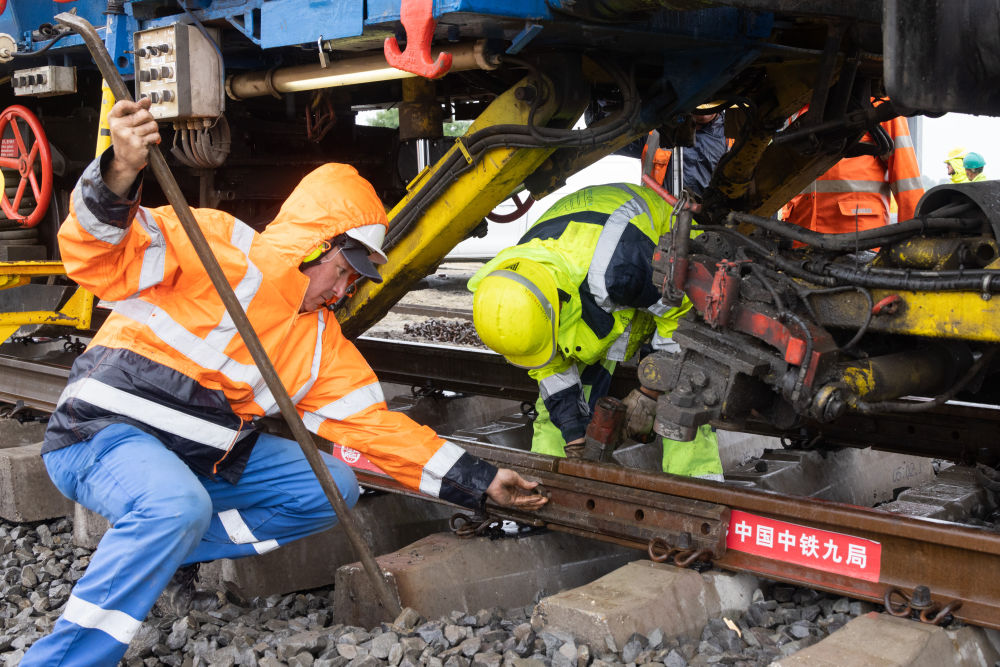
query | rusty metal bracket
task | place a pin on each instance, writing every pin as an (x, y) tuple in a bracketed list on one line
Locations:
[(919, 605)]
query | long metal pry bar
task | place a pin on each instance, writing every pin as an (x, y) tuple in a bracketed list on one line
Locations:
[(158, 164)]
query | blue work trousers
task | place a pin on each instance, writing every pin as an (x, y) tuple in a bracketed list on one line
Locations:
[(164, 516)]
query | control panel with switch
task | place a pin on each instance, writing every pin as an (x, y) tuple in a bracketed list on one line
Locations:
[(178, 69), (44, 81)]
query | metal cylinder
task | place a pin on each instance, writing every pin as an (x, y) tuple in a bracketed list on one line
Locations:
[(925, 371), (347, 72)]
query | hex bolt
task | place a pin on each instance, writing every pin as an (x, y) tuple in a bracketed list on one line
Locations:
[(684, 541), (166, 72), (760, 466), (710, 397), (682, 397), (154, 97), (699, 378), (921, 598), (167, 95)]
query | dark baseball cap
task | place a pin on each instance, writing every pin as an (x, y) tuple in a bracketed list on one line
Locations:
[(357, 255)]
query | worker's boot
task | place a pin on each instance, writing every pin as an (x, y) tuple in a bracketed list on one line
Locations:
[(182, 595)]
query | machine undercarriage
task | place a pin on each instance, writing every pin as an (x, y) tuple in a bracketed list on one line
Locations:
[(796, 333)]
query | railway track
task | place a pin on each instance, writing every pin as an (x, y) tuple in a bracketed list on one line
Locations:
[(931, 569)]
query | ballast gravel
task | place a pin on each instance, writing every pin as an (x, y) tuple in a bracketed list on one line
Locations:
[(38, 565)]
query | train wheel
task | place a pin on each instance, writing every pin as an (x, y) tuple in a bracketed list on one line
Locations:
[(16, 154)]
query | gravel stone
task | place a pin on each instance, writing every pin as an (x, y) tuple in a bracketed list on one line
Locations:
[(382, 645), (38, 565)]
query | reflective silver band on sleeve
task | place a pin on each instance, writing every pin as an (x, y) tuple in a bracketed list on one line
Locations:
[(904, 184), (101, 231), (553, 384), (353, 403), (607, 242), (154, 257), (443, 460)]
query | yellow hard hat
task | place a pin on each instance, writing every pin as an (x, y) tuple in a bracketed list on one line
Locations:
[(956, 153), (516, 312)]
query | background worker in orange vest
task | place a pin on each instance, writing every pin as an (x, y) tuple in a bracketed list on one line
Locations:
[(854, 194), (157, 427)]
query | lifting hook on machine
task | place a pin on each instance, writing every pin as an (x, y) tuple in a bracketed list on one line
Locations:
[(418, 21)]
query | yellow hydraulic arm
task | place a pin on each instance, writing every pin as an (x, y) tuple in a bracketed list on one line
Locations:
[(450, 217)]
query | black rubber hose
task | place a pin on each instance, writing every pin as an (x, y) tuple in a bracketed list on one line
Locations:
[(864, 240), (929, 281)]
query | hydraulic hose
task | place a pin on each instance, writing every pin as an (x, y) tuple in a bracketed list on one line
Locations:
[(901, 279), (862, 240)]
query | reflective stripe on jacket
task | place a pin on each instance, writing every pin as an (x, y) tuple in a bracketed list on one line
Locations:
[(169, 360), (598, 243), (854, 193)]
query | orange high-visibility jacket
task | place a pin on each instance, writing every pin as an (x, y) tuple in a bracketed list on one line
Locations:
[(854, 193), (170, 361)]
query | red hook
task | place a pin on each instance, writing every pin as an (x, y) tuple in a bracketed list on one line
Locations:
[(418, 20)]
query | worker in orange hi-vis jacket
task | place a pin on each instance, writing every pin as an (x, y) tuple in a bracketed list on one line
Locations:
[(157, 429), (855, 194)]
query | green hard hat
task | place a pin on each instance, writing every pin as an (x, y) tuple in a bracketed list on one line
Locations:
[(974, 161)]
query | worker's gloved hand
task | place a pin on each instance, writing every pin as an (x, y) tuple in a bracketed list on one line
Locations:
[(640, 411), (508, 489)]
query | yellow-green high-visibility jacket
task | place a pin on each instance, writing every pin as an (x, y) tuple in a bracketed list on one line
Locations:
[(598, 243)]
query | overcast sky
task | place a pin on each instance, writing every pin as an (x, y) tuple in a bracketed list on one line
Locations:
[(975, 133)]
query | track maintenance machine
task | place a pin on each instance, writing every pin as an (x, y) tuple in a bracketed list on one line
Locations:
[(857, 339)]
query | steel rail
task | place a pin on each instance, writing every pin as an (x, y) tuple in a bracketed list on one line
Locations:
[(631, 507), (628, 507), (956, 432)]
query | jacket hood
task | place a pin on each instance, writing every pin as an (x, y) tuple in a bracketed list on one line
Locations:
[(330, 200)]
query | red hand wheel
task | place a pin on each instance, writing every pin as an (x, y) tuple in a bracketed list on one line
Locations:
[(521, 207), (15, 154)]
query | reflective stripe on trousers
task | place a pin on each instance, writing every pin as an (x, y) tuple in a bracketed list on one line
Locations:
[(139, 485)]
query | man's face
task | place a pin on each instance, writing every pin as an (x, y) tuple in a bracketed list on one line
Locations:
[(702, 120), (951, 169), (328, 281)]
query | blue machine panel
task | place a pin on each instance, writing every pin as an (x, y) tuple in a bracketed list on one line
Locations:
[(380, 11), (20, 18), (288, 22)]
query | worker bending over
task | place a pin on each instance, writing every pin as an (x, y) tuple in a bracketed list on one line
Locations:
[(156, 427), (573, 298)]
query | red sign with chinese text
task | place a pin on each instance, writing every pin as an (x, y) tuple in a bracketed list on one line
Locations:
[(818, 549), (8, 148)]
